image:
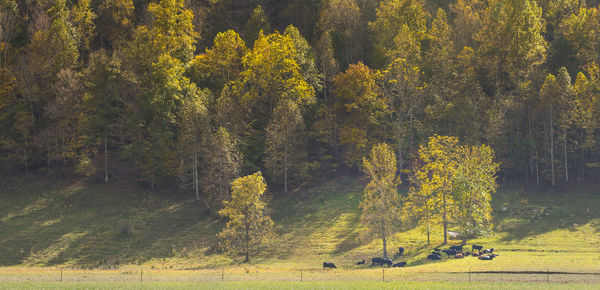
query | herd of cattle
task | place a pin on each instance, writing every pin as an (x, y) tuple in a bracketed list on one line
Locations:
[(437, 254)]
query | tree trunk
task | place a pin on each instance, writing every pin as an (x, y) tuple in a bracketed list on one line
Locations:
[(247, 250), (445, 221), (25, 155), (383, 237), (196, 173), (531, 142), (565, 147), (105, 159), (400, 157), (552, 144), (285, 169)]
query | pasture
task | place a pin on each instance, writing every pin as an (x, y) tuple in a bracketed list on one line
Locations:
[(103, 235)]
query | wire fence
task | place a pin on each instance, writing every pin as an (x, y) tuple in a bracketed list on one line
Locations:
[(310, 275)]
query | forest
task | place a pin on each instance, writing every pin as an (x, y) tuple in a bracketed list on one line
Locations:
[(191, 94)]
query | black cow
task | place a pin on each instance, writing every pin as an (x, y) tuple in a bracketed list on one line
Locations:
[(378, 261), (434, 256), (489, 251), (457, 248), (401, 264), (437, 249), (400, 251), (361, 262), (329, 265), (486, 257), (450, 252), (476, 247)]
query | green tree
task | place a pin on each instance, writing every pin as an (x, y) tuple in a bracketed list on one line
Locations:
[(358, 110), (403, 90), (222, 164), (104, 101), (285, 145), (258, 22), (343, 22), (248, 221), (305, 58), (271, 75), (473, 184), (115, 21), (83, 19), (398, 21), (511, 41), (192, 127), (220, 64), (380, 204), (434, 179)]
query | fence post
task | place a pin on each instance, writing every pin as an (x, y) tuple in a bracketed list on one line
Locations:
[(61, 269), (469, 274), (141, 275), (382, 273), (222, 275), (300, 274)]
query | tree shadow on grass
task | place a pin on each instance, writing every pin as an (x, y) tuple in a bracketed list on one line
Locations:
[(536, 213), (100, 225)]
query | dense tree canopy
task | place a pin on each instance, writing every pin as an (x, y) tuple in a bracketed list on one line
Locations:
[(192, 94)]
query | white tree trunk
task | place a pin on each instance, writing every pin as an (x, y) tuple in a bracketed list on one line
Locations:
[(105, 159), (196, 174), (552, 145), (565, 147), (384, 239), (285, 169)]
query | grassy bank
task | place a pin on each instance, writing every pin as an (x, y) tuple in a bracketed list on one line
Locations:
[(75, 223)]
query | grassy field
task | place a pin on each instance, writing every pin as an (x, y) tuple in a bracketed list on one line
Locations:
[(47, 224), (297, 285)]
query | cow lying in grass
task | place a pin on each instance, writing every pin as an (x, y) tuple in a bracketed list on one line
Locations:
[(401, 264), (378, 261), (457, 248), (361, 262), (488, 257), (434, 256), (329, 265)]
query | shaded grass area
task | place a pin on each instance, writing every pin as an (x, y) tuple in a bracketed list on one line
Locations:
[(73, 223), (47, 223)]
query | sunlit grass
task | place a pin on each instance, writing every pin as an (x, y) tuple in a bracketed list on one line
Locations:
[(87, 225)]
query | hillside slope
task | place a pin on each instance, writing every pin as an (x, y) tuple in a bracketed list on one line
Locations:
[(45, 222)]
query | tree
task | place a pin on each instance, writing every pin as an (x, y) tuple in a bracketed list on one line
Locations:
[(285, 146), (115, 21), (343, 21), (8, 23), (511, 41), (258, 22), (83, 19), (193, 127), (248, 221), (271, 75), (403, 89), (104, 101), (397, 21), (220, 64), (305, 58), (358, 109), (381, 202), (434, 178), (473, 184), (222, 164)]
